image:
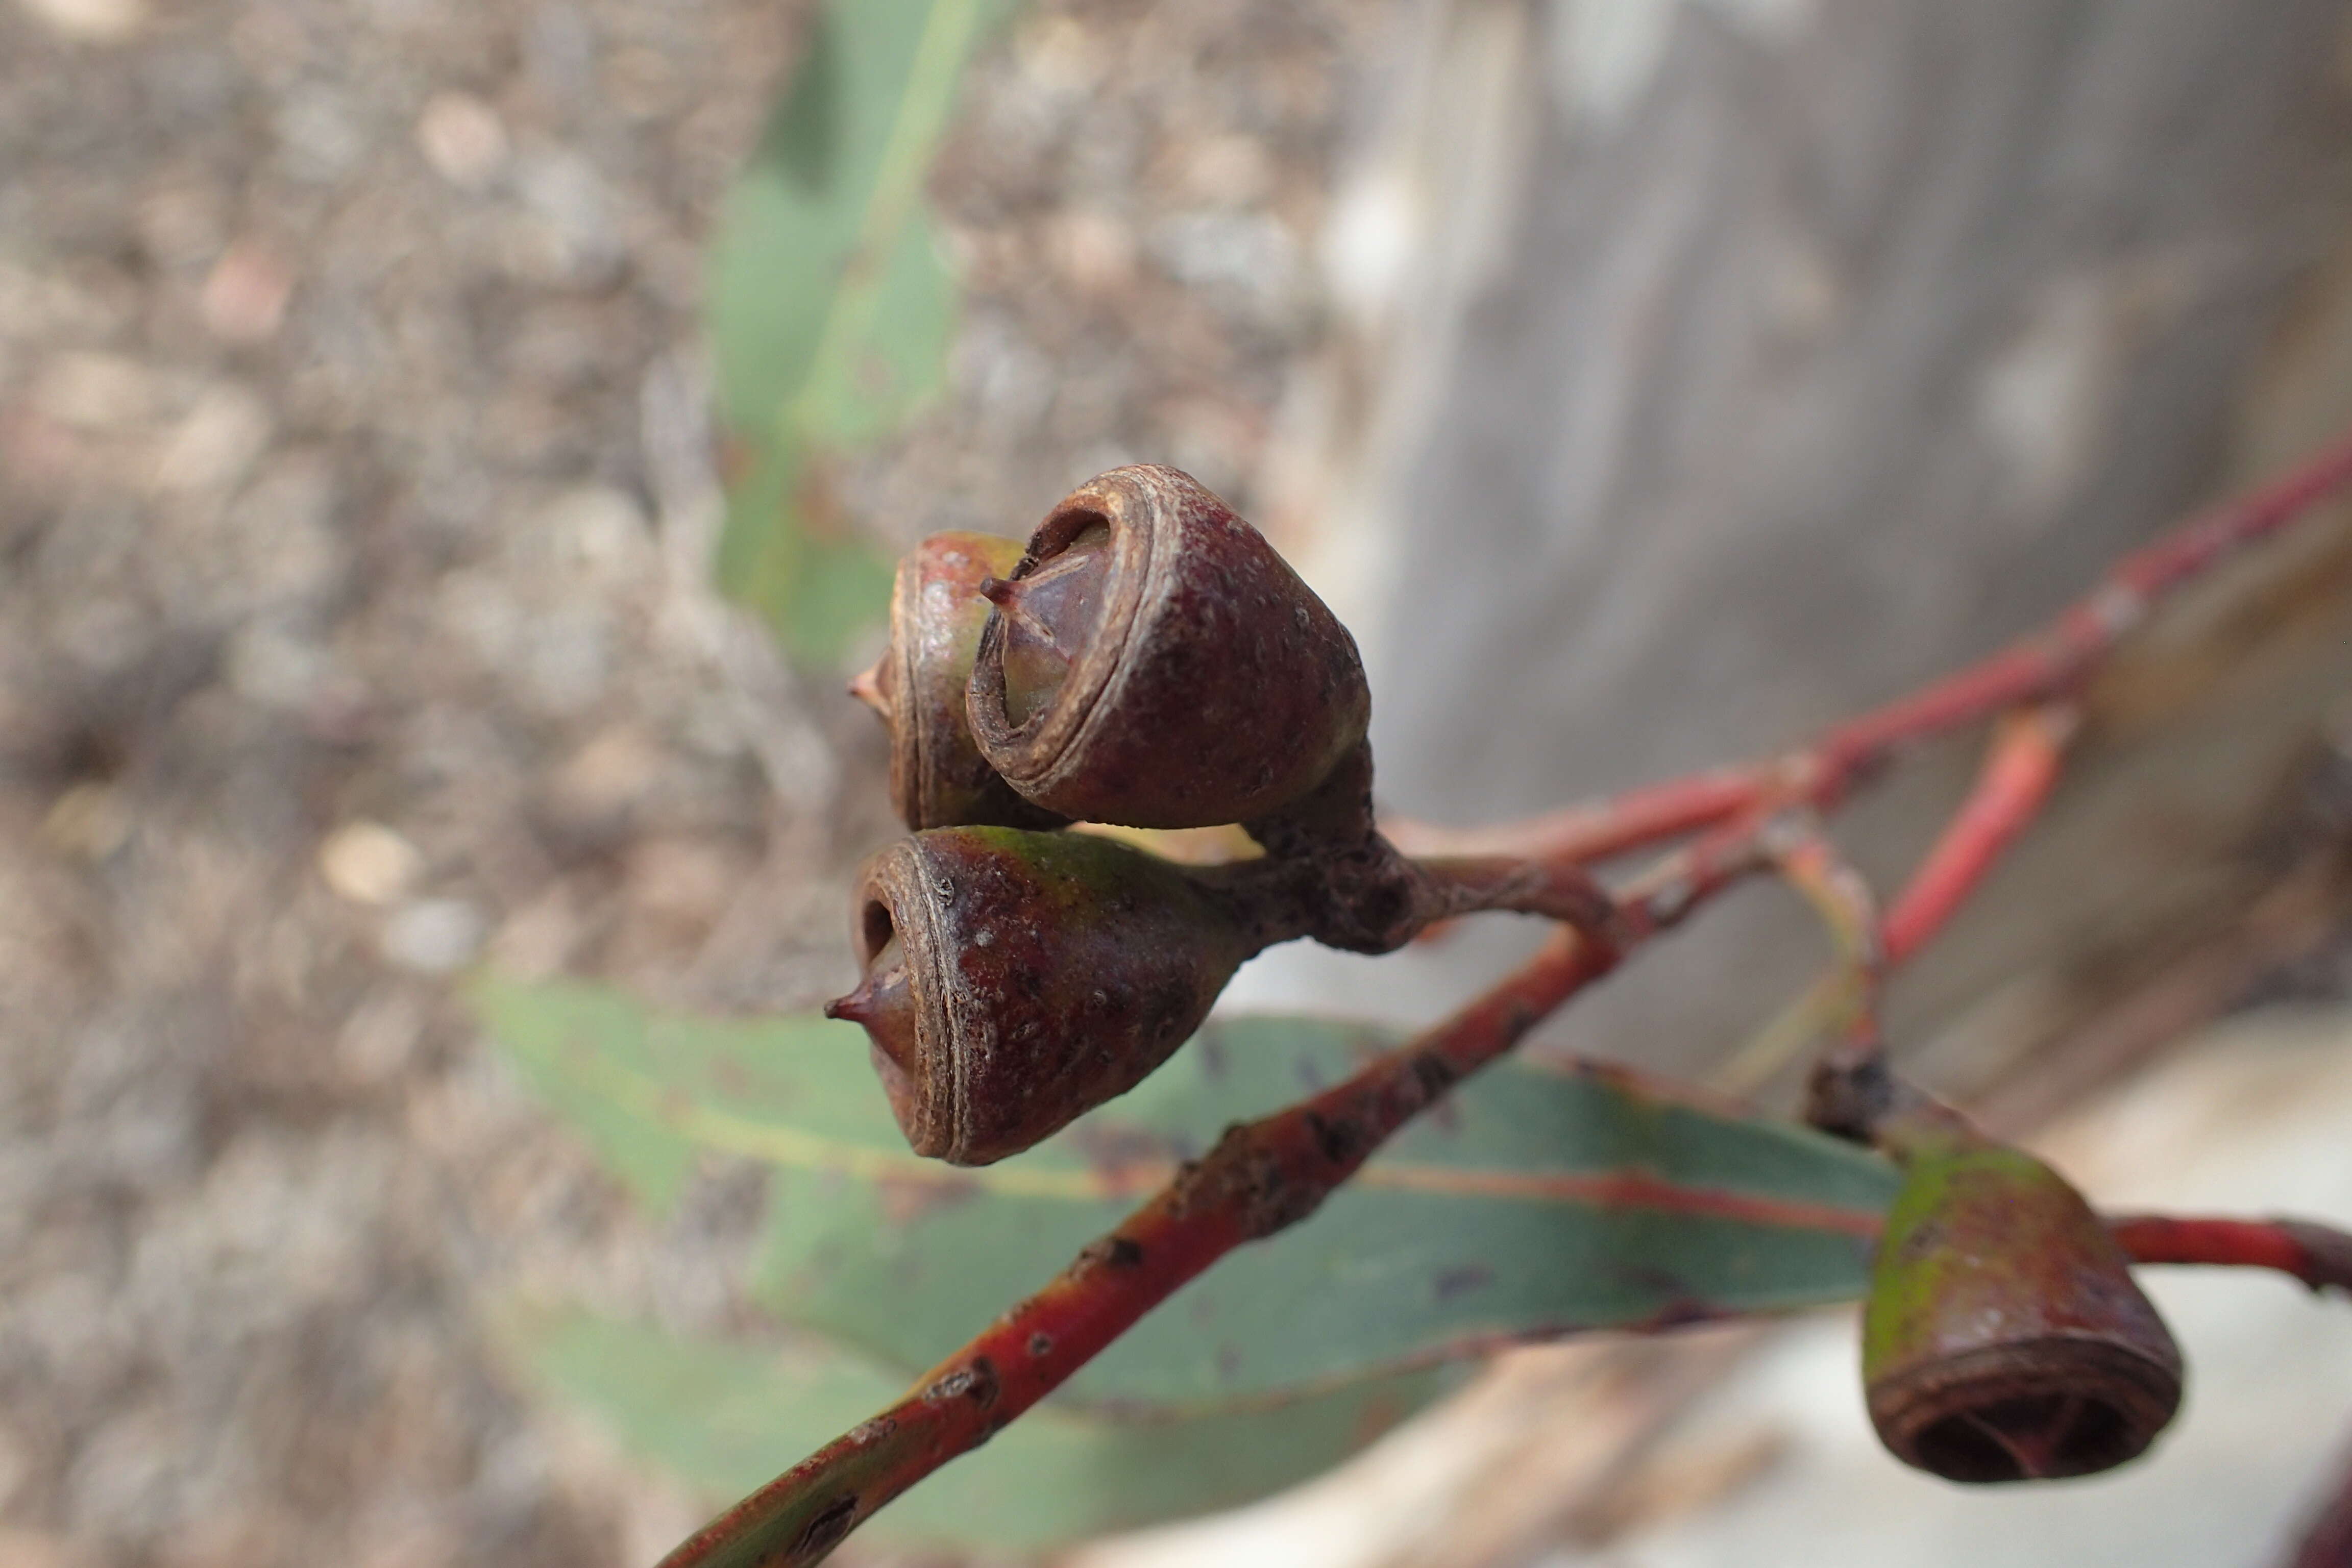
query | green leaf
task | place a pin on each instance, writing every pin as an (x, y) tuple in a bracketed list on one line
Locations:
[(830, 309), (818, 583), (1534, 1202), (728, 1419), (583, 1049)]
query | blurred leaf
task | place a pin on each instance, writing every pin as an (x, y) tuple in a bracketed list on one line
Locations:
[(817, 581), (728, 1418), (1534, 1202), (829, 311), (620, 1073), (581, 1047)]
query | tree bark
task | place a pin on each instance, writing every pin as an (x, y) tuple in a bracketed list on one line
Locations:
[(1750, 361)]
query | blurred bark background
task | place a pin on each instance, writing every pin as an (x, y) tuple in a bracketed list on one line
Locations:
[(1675, 374), (1719, 368)]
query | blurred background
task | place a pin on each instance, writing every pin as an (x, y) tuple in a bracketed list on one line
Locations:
[(450, 456)]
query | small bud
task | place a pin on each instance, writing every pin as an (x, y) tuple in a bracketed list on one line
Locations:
[(2004, 1338), (1014, 980), (1153, 662), (938, 777)]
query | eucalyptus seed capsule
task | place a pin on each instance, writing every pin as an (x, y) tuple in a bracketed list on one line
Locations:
[(2004, 1338), (1153, 662), (1014, 980)]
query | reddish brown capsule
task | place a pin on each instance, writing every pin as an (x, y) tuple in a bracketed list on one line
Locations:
[(1016, 979), (2005, 1338), (938, 778), (1153, 662)]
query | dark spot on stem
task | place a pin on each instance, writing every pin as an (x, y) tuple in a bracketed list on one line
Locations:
[(1434, 1073), (1275, 1198), (1337, 1140), (976, 1382), (1112, 1252), (823, 1532), (1041, 1343)]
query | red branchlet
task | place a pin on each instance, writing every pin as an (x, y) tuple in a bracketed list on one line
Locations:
[(2019, 770), (1266, 1175), (1594, 831), (2318, 1256)]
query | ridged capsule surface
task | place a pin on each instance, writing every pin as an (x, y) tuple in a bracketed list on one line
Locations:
[(938, 777), (1016, 979), (1153, 662)]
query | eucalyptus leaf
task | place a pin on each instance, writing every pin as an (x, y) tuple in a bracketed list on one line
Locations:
[(726, 1418), (1534, 1202), (829, 311)]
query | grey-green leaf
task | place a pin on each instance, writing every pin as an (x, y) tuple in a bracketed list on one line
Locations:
[(830, 309), (727, 1418), (1534, 1202)]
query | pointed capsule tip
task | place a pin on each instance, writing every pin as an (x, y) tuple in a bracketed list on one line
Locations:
[(867, 686), (998, 590), (856, 1007)]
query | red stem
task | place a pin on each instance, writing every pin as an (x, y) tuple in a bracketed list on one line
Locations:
[(2315, 1254), (2019, 772), (1596, 830)]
